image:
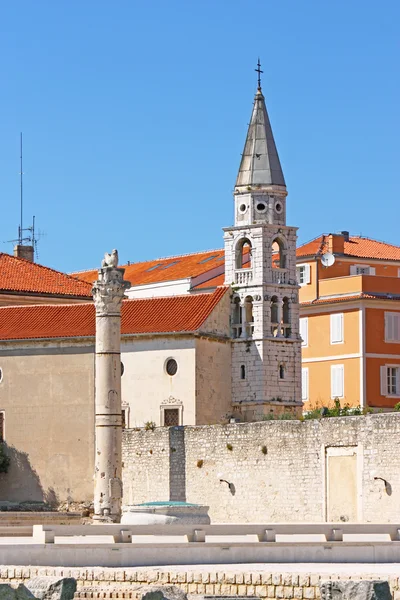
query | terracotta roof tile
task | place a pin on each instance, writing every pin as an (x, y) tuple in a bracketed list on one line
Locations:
[(20, 275), (150, 315), (165, 269), (211, 283), (360, 247), (362, 296)]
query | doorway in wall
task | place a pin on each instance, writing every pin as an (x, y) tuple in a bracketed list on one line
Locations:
[(341, 484)]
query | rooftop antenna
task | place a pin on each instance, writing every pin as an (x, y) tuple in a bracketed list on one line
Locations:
[(20, 228), (258, 70), (27, 242)]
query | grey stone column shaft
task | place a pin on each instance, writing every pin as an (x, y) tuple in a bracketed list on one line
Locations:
[(108, 292)]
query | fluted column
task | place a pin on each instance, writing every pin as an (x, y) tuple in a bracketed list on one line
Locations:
[(108, 292)]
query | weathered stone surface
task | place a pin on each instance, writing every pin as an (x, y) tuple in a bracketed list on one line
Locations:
[(51, 588), (162, 592), (355, 590), (9, 593)]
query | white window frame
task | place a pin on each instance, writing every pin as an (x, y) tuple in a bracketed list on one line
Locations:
[(171, 402), (334, 391), (307, 274), (303, 325), (338, 318), (125, 407), (384, 381), (304, 384), (392, 327), (362, 270)]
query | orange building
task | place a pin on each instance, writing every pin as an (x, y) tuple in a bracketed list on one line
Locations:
[(349, 321)]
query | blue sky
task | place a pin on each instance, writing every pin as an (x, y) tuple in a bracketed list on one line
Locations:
[(134, 115)]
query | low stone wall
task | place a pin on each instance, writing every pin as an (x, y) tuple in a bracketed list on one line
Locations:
[(279, 471), (116, 583)]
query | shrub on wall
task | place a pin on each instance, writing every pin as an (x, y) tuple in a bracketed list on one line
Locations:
[(4, 460)]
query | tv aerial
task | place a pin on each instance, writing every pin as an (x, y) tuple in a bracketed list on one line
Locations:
[(327, 259)]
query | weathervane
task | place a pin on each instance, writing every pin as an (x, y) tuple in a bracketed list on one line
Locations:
[(258, 70)]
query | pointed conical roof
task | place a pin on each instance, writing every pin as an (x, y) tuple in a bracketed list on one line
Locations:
[(260, 163)]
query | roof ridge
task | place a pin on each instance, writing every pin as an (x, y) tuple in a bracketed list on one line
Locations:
[(365, 237), (141, 262), (74, 304), (40, 266)]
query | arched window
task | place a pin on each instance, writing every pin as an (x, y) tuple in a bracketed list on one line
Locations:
[(286, 318), (243, 254), (242, 372), (281, 372), (248, 315), (274, 315), (278, 254), (236, 318)]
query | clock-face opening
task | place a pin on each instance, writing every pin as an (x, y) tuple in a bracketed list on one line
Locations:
[(261, 207), (278, 207), (242, 208)]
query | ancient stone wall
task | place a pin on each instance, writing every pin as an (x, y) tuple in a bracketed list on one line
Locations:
[(278, 470), (229, 581)]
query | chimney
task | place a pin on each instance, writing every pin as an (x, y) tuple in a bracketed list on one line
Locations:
[(346, 235), (336, 243), (25, 252)]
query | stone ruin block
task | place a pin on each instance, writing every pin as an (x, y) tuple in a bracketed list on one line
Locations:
[(355, 590)]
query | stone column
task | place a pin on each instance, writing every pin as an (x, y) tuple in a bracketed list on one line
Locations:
[(108, 292)]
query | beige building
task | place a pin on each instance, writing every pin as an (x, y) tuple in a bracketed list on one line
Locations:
[(176, 371)]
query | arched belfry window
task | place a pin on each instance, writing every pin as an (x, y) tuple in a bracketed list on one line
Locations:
[(248, 314), (236, 318), (243, 253), (286, 317), (278, 254), (275, 315)]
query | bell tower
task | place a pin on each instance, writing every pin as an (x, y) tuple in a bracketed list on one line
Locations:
[(260, 265)]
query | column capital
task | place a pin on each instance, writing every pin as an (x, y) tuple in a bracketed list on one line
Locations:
[(109, 290)]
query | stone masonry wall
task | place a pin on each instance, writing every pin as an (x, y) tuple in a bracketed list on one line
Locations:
[(278, 468), (99, 582)]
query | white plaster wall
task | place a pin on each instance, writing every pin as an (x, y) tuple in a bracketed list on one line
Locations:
[(179, 287), (145, 383)]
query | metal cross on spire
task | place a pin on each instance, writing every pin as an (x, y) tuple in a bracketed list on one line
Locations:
[(258, 70)]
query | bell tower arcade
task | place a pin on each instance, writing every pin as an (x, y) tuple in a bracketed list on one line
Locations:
[(260, 265)]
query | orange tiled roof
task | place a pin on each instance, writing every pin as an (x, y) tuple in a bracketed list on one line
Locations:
[(362, 296), (20, 275), (211, 283), (165, 269), (149, 315), (360, 247)]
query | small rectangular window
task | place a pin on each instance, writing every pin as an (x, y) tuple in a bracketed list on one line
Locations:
[(303, 274), (304, 383), (392, 327), (390, 380), (304, 331), (337, 381), (337, 328), (362, 270), (171, 417)]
